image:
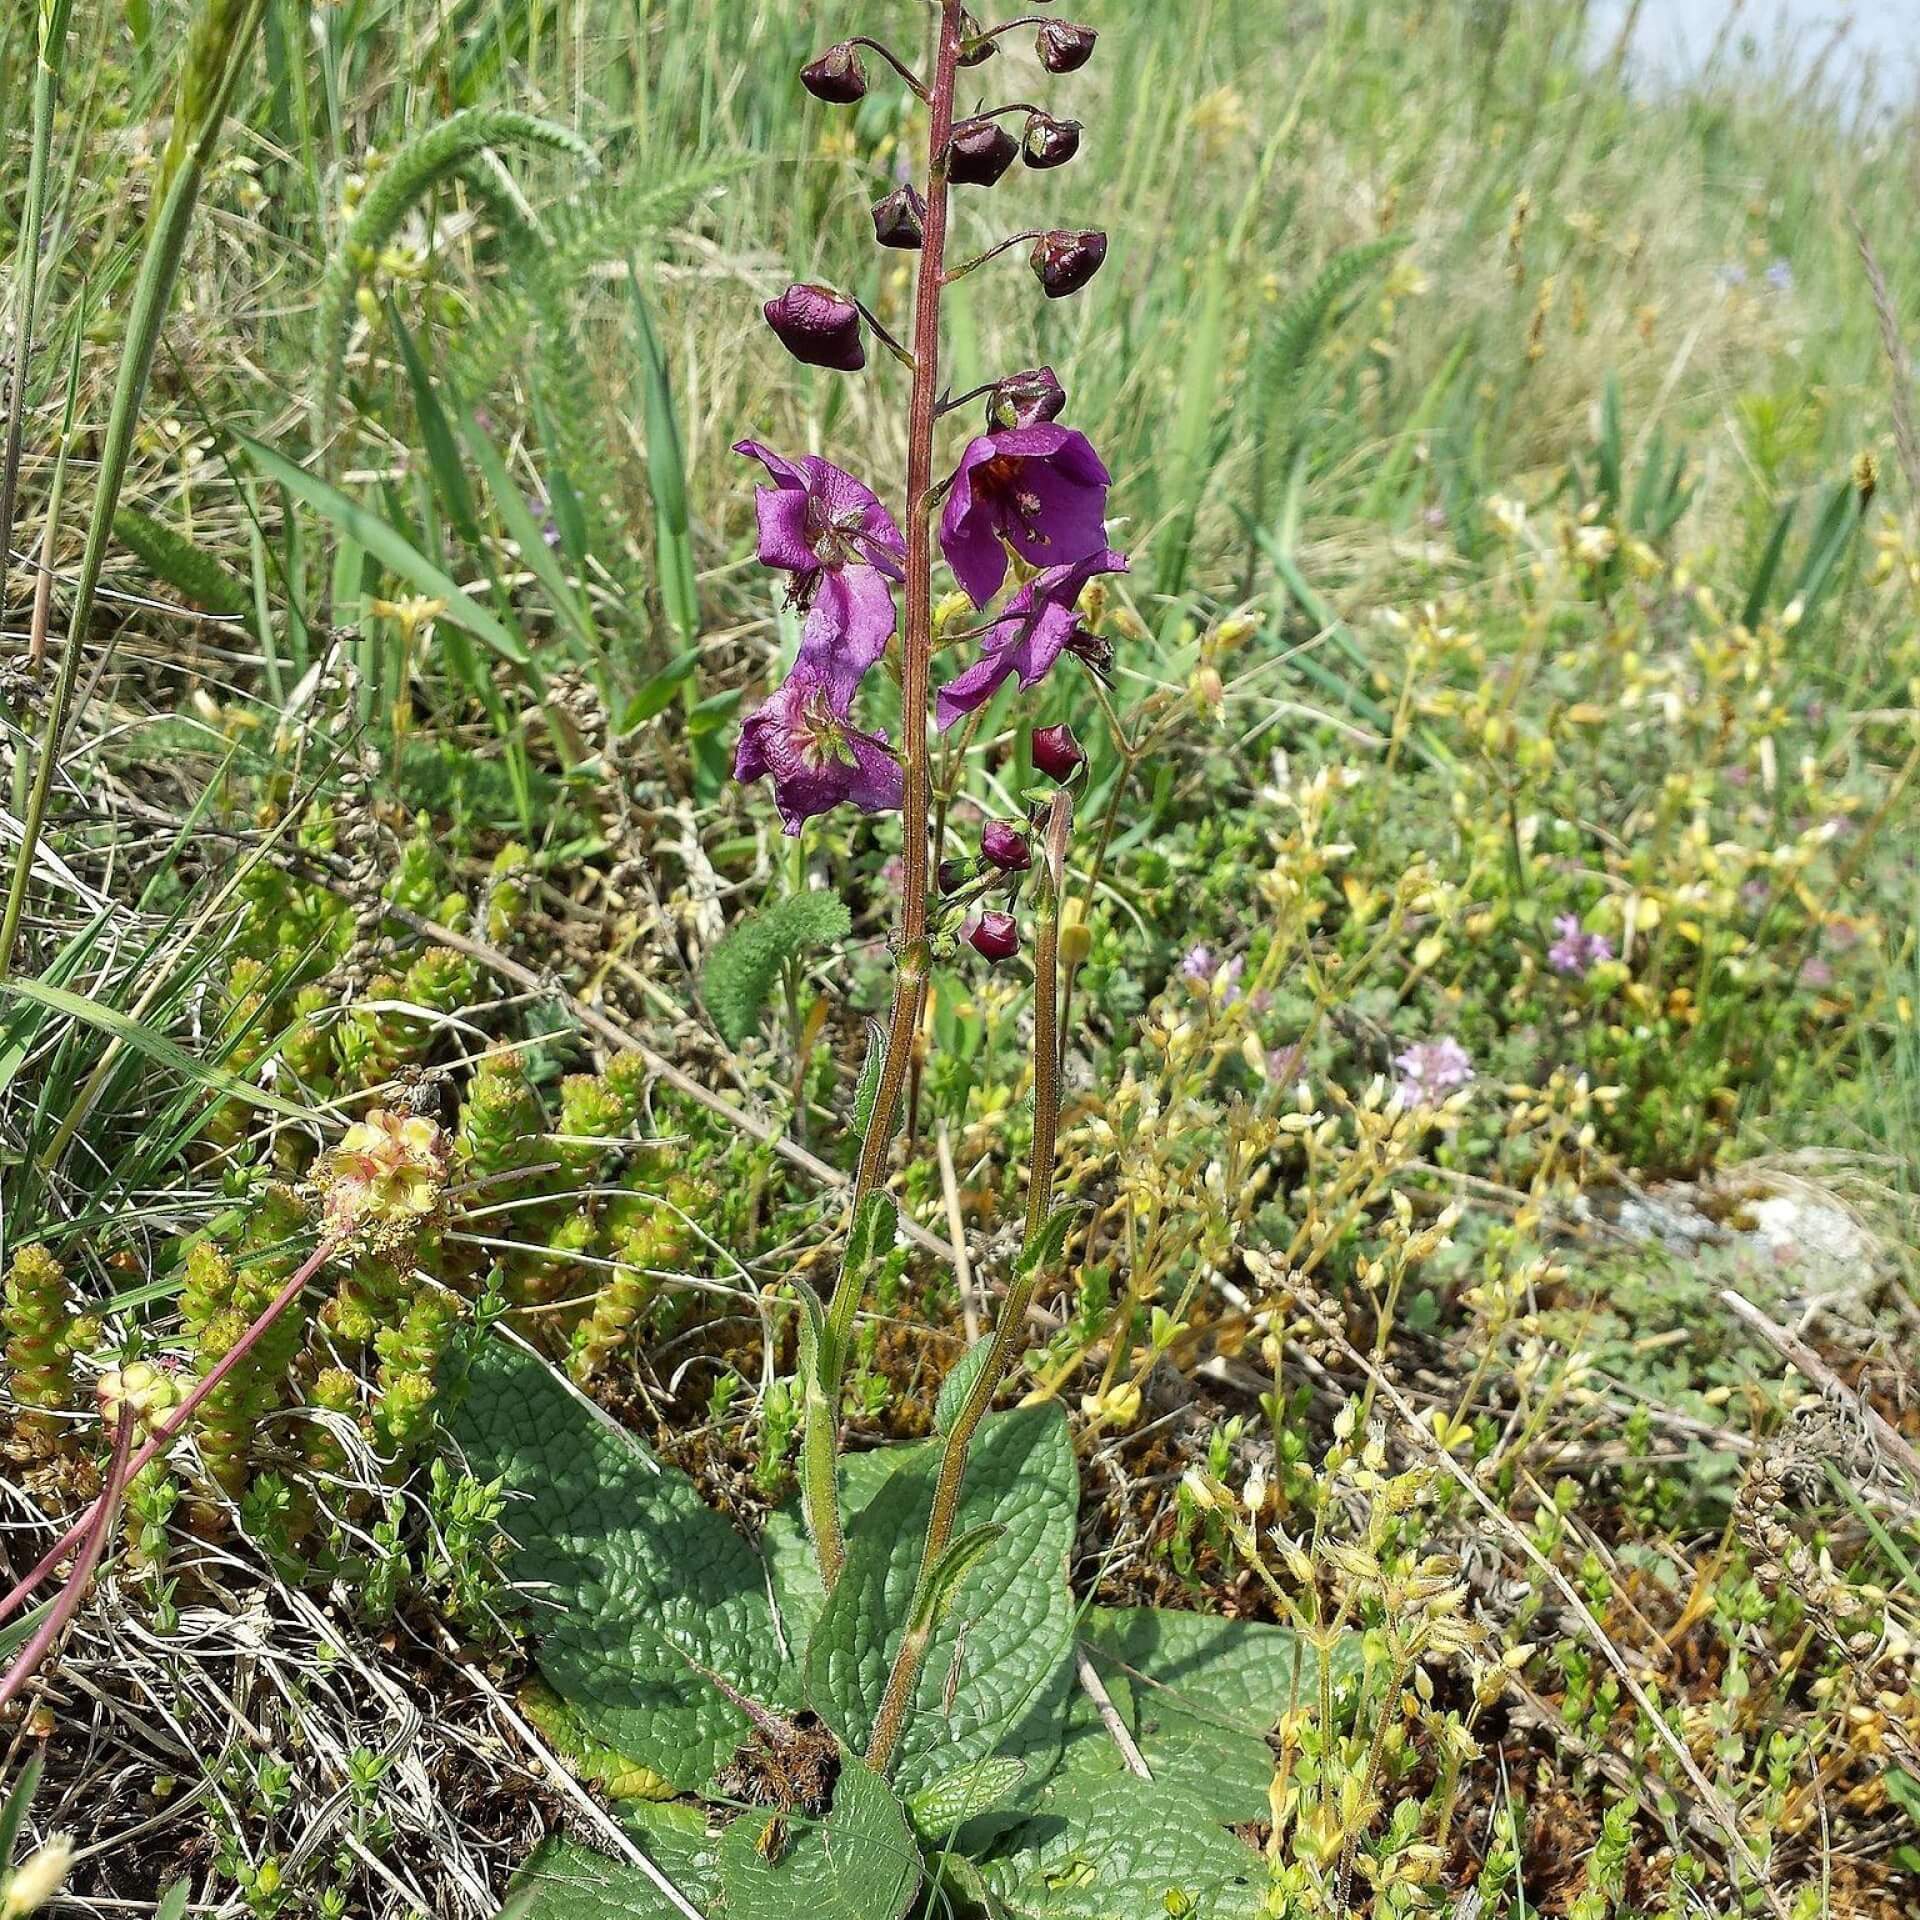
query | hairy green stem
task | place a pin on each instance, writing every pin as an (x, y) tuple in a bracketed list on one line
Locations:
[(216, 50), (1010, 1328), (820, 1444)]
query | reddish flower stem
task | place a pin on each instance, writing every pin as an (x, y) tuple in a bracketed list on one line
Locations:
[(97, 1525), (169, 1429)]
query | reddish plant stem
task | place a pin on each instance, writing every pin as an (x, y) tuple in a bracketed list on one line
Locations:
[(170, 1429), (98, 1524), (822, 1442)]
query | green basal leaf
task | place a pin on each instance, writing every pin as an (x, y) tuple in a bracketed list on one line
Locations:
[(1200, 1695), (640, 1592), (1113, 1849), (860, 1863), (566, 1881), (1011, 1616)]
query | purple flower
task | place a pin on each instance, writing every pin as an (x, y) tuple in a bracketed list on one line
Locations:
[(1042, 488), (1286, 1063), (1577, 951), (817, 760), (1199, 965), (1039, 625), (844, 552), (1432, 1069), (1057, 753), (1780, 276)]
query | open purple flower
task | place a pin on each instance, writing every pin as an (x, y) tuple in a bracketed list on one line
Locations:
[(1430, 1070), (1041, 623), (844, 551), (803, 740), (1577, 951), (1041, 487)]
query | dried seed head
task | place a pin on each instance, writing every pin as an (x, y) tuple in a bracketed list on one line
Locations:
[(979, 152), (1063, 48), (818, 327), (1049, 142), (1065, 262), (838, 77), (900, 220), (995, 936)]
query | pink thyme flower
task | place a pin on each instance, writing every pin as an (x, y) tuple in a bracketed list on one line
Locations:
[(1432, 1069), (1577, 951), (1040, 624), (1041, 488), (802, 739), (843, 551)]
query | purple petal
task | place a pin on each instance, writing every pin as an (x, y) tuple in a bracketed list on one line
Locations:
[(849, 627), (971, 689)]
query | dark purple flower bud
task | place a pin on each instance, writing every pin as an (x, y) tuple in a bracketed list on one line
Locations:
[(1057, 753), (1049, 142), (837, 76), (900, 220), (952, 875), (995, 936), (1006, 846), (1064, 48), (976, 48), (1027, 399), (979, 152), (1065, 262), (818, 327)]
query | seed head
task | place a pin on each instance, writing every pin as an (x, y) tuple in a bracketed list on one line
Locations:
[(1065, 262), (838, 77), (818, 327)]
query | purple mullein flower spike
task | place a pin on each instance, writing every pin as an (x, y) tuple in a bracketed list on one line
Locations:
[(802, 739), (1041, 623), (844, 551), (1042, 487)]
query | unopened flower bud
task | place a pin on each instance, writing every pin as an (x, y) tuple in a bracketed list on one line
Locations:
[(837, 76), (1006, 847), (1065, 262), (952, 875), (1057, 753), (818, 327), (1063, 48), (900, 220), (979, 152), (995, 936), (1049, 142), (1027, 399)]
